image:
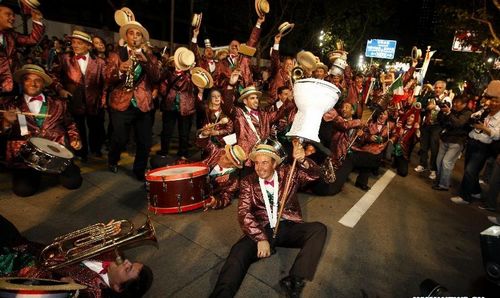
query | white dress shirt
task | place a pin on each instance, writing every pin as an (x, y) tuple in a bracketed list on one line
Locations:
[(34, 106), (493, 123), (83, 63), (96, 266)]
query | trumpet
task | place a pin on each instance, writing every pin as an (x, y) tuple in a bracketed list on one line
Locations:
[(129, 79), (93, 240), (222, 121), (297, 73)]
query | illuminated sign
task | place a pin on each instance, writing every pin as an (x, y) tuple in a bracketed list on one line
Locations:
[(380, 48)]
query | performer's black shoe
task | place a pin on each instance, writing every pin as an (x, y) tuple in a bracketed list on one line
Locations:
[(362, 186), (113, 168), (139, 175), (292, 286)]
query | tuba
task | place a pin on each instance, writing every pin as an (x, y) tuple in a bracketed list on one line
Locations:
[(93, 240)]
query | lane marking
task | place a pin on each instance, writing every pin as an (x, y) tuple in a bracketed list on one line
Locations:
[(351, 218)]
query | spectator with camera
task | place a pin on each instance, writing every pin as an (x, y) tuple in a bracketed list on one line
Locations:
[(455, 124), (431, 128), (479, 146)]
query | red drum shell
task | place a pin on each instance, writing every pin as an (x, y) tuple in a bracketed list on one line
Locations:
[(178, 189)]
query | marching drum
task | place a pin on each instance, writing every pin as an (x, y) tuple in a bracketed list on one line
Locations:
[(313, 98), (179, 188), (21, 287), (45, 155)]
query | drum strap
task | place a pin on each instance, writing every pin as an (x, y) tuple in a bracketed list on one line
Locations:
[(250, 123), (43, 110)]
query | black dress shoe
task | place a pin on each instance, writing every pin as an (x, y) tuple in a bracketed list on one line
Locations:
[(139, 175), (292, 286), (362, 186), (440, 188), (113, 168)]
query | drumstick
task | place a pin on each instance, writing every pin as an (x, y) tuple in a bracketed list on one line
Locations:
[(27, 113)]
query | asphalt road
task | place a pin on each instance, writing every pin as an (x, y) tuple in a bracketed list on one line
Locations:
[(408, 234)]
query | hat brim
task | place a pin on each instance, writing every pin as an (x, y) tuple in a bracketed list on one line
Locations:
[(176, 59), (307, 60), (286, 29), (226, 149), (259, 10), (124, 29), (274, 156), (323, 66), (19, 74), (207, 75), (259, 94), (31, 5), (80, 38)]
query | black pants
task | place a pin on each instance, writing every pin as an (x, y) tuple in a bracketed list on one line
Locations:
[(96, 133), (10, 234), (366, 163), (26, 182), (429, 140), (309, 237), (122, 123), (321, 188), (169, 118), (401, 164)]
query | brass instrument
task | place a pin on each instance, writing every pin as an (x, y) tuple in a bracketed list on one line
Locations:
[(93, 240), (297, 73), (129, 79), (222, 121)]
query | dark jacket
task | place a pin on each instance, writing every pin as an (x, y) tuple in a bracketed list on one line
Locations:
[(455, 126)]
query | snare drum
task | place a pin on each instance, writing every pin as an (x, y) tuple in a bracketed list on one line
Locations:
[(45, 155), (179, 188)]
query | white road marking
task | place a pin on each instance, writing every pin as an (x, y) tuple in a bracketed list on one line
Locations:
[(351, 218)]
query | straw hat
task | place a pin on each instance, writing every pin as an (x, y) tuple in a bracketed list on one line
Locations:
[(261, 7), (285, 28), (265, 150), (123, 16), (201, 78), (236, 155), (184, 58), (246, 50), (33, 4), (249, 91), (307, 60), (196, 22), (221, 54), (136, 25), (416, 53), (82, 36), (493, 89), (34, 69), (322, 65), (333, 55)]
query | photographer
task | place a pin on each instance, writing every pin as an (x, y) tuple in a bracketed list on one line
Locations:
[(479, 146), (455, 124), (431, 128)]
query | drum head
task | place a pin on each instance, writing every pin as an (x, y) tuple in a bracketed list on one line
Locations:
[(51, 147), (178, 172)]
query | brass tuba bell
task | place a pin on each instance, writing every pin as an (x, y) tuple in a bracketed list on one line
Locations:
[(93, 240)]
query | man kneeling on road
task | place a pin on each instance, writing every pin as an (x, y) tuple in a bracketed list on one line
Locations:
[(257, 214)]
